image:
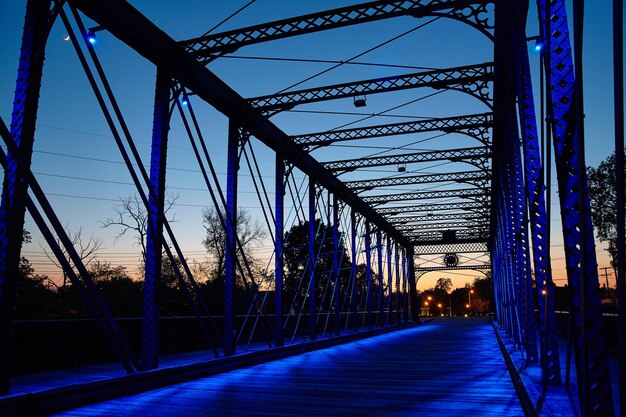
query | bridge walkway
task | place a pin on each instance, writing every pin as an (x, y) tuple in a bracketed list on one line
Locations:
[(447, 367)]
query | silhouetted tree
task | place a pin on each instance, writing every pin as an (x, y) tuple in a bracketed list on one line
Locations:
[(602, 186), (297, 264), (250, 234)]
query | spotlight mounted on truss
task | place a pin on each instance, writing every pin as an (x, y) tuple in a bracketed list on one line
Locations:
[(539, 43), (91, 34), (360, 101)]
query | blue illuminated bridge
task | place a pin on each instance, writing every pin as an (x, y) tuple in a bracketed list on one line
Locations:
[(272, 181)]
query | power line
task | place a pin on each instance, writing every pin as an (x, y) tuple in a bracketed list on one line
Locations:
[(388, 41), (328, 61)]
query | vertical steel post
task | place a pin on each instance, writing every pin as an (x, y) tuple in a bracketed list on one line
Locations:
[(368, 274), (154, 229), (618, 83), (279, 207), (415, 311), (381, 276), (396, 294), (14, 188), (354, 306), (539, 226), (389, 281), (405, 298), (230, 244), (336, 266), (312, 262)]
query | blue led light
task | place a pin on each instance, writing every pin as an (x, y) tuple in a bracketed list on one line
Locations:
[(538, 46), (185, 101), (91, 37)]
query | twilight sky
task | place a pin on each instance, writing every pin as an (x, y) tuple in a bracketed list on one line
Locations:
[(80, 168)]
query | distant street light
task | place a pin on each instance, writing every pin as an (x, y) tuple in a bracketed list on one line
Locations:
[(440, 309)]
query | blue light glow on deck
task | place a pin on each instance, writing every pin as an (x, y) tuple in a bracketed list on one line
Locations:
[(449, 368)]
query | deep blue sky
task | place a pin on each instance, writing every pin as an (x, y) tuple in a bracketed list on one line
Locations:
[(79, 167)]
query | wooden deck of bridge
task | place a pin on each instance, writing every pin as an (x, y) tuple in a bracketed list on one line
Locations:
[(447, 367)]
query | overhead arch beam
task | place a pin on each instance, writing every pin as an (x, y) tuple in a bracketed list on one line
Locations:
[(470, 79), (424, 195), (475, 125), (466, 225), (407, 220), (478, 155), (437, 237), (480, 177), (209, 47), (469, 206)]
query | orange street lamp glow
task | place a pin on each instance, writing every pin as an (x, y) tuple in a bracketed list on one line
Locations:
[(425, 303), (430, 298), (467, 305), (439, 305)]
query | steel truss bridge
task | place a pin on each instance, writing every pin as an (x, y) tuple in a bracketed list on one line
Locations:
[(489, 200)]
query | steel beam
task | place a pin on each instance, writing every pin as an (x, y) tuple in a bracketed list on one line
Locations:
[(368, 276), (447, 268), (472, 79), (472, 207), (399, 221), (480, 178), (460, 226), (478, 156), (14, 188), (396, 296), (389, 281), (475, 125), (565, 112), (312, 262), (381, 276), (138, 32), (211, 45), (354, 306), (436, 248), (154, 227), (336, 267), (550, 362), (279, 207), (461, 193), (230, 244)]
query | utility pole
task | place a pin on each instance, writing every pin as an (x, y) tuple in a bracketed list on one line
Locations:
[(606, 276)]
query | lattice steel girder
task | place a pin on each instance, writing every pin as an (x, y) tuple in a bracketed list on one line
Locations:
[(447, 268), (477, 207), (131, 27), (459, 226), (443, 248), (479, 177), (474, 12), (423, 195), (450, 236), (462, 124), (472, 79), (479, 156), (566, 112), (550, 362), (437, 218)]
